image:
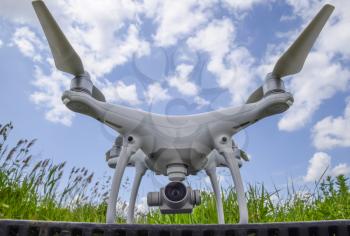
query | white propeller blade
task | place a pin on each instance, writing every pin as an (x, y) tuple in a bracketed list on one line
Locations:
[(256, 95), (66, 59), (97, 94), (292, 61)]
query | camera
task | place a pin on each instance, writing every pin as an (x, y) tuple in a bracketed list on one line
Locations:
[(174, 198)]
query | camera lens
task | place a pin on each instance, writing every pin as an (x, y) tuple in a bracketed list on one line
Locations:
[(175, 191)]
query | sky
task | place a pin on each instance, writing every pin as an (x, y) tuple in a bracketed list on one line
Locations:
[(182, 57)]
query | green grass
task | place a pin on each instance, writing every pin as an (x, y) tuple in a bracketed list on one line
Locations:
[(35, 190)]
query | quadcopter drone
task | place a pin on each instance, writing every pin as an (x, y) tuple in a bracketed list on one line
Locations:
[(177, 146)]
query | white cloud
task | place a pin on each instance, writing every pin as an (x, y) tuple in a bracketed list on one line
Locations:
[(18, 11), (101, 60), (338, 25), (121, 92), (231, 65), (155, 93), (239, 78), (288, 17), (101, 34), (333, 132), (201, 102), (341, 169), (322, 72), (49, 94), (241, 4), (207, 40), (340, 28), (307, 86), (1, 43), (181, 82), (176, 19), (320, 164), (105, 35), (28, 43)]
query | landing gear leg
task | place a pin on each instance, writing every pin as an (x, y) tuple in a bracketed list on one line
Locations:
[(140, 170), (126, 151), (215, 184), (224, 147)]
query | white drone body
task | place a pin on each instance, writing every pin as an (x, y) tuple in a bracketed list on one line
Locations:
[(177, 146)]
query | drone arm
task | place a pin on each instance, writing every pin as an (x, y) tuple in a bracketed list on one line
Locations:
[(224, 147), (126, 151), (233, 119), (140, 170), (211, 172), (121, 119)]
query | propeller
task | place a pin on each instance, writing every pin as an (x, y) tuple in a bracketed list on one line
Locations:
[(97, 94), (292, 60), (256, 95), (65, 57)]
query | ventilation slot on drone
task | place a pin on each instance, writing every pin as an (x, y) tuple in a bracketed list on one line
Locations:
[(113, 125), (241, 125)]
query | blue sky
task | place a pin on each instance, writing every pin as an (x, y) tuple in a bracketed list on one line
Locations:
[(182, 57)]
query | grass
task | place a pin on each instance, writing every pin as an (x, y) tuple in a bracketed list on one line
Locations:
[(35, 190)]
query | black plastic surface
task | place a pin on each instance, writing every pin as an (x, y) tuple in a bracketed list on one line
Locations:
[(44, 228)]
